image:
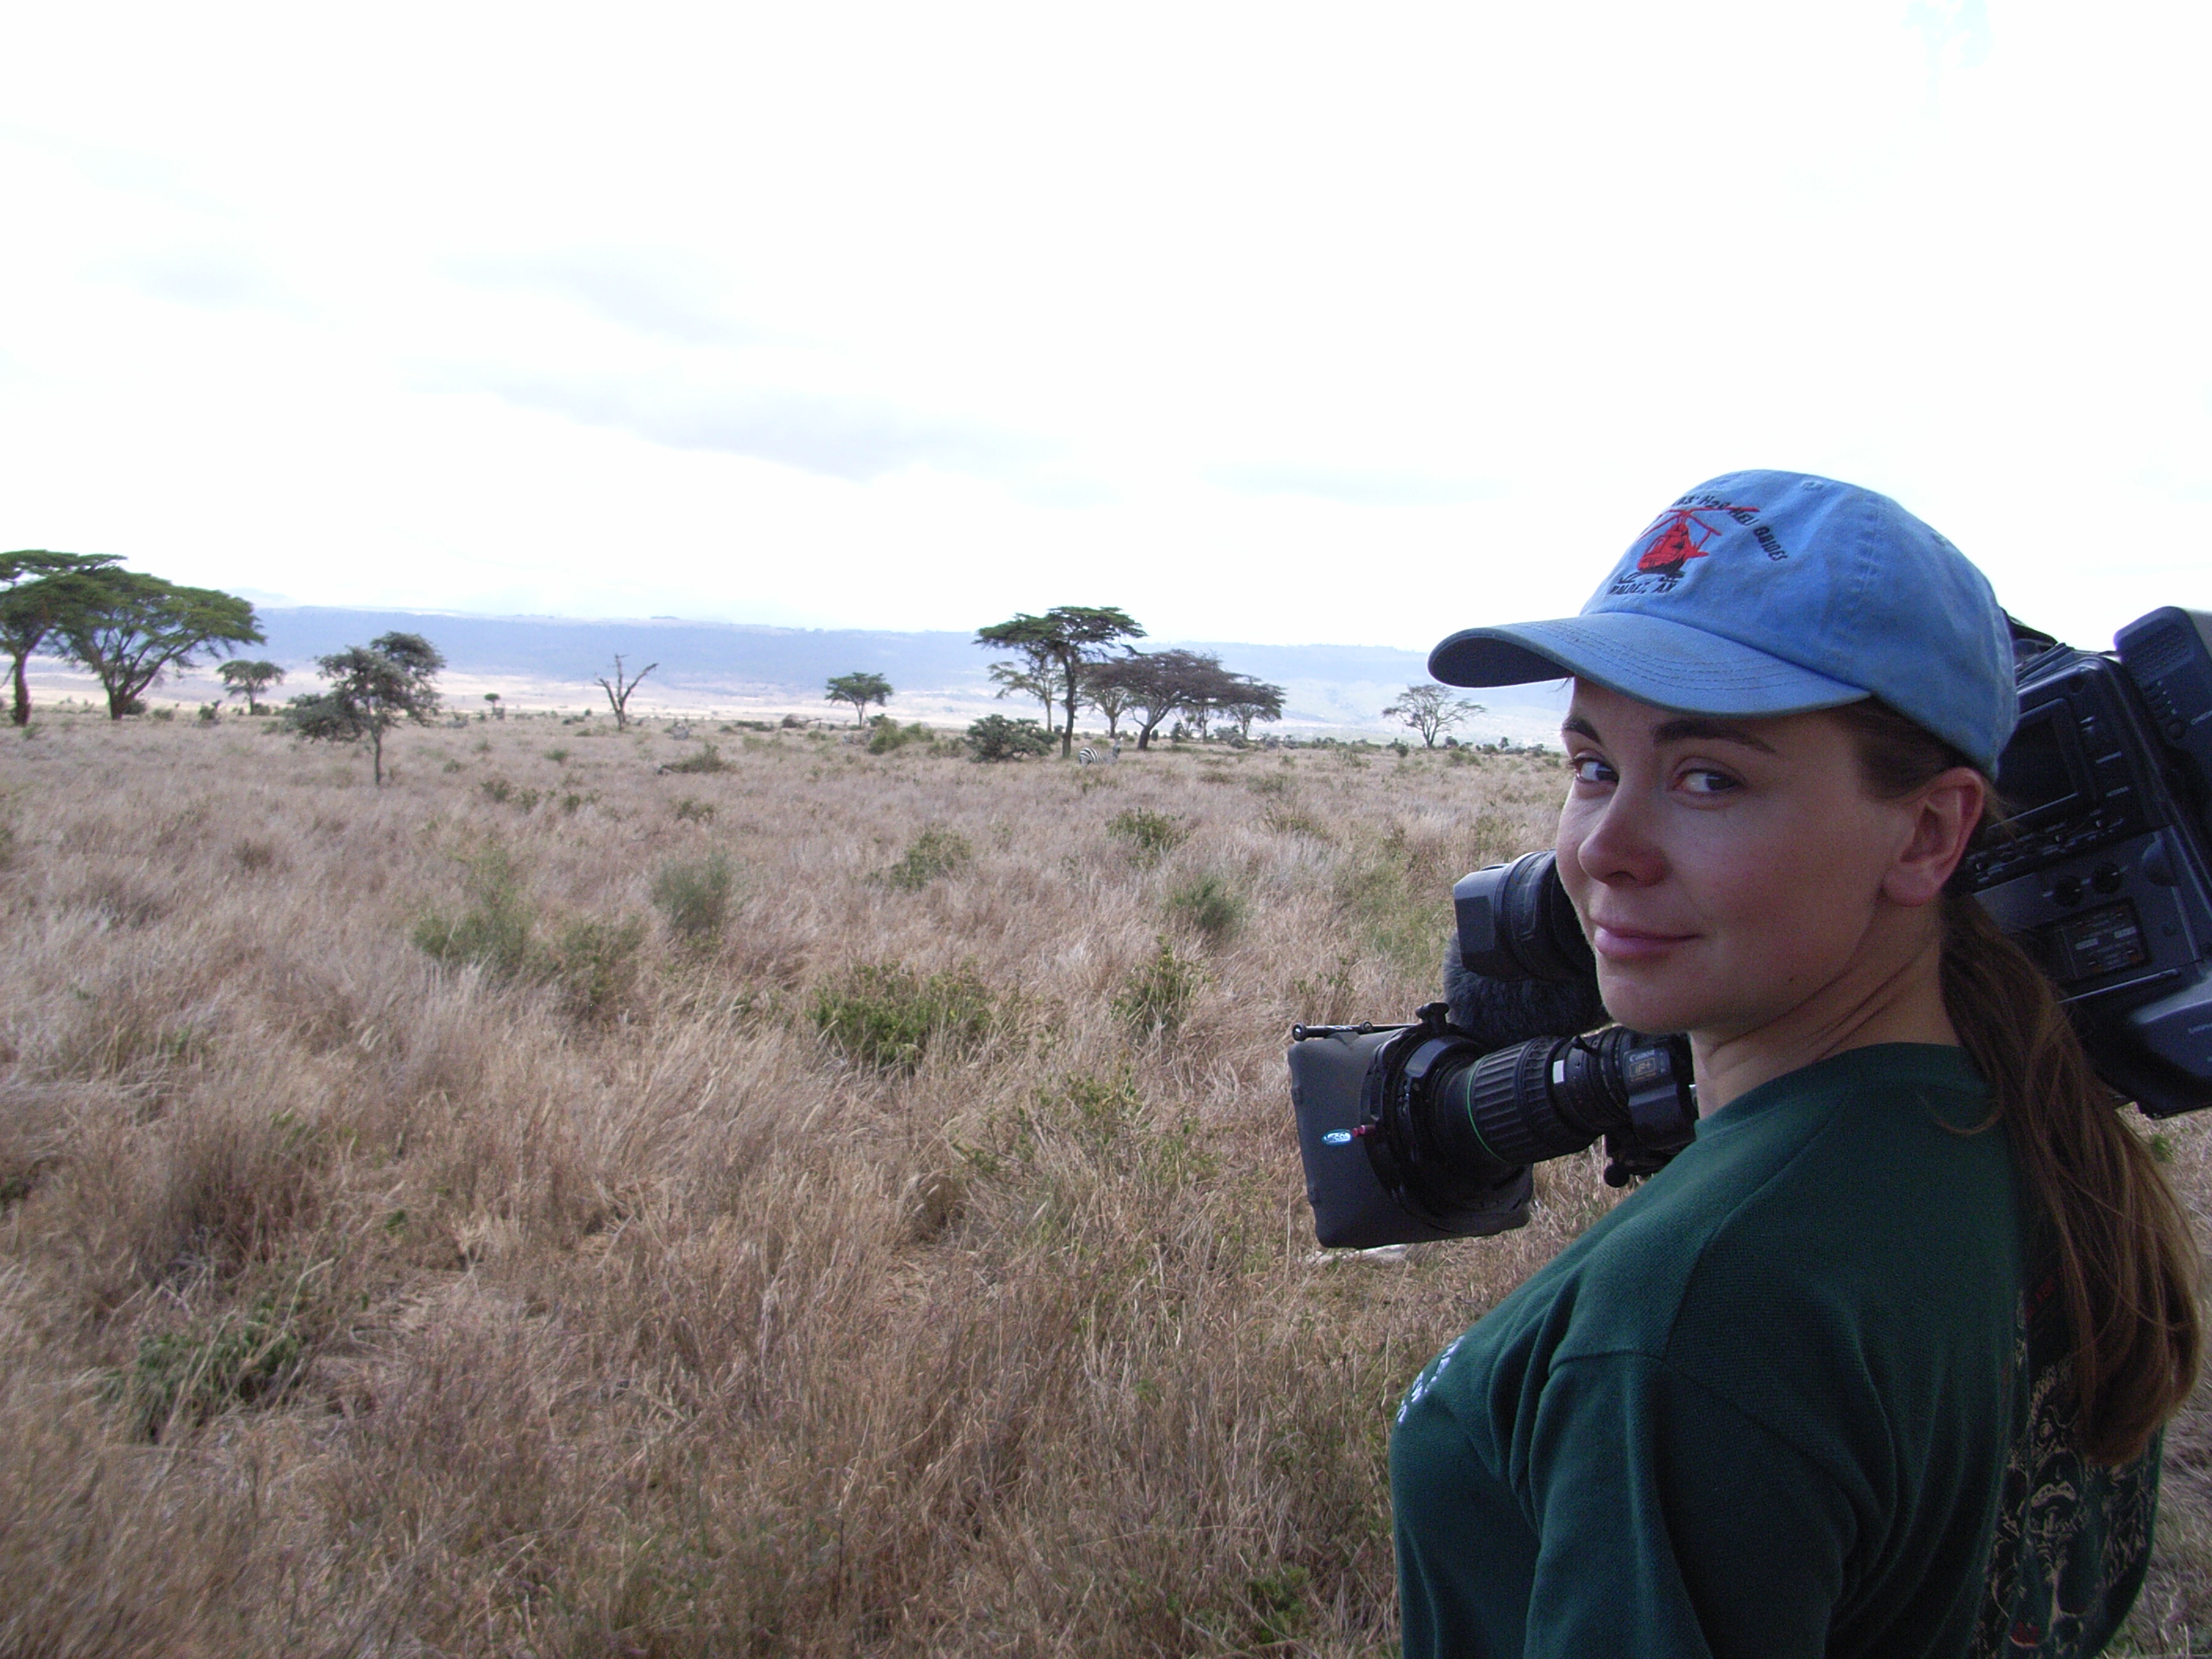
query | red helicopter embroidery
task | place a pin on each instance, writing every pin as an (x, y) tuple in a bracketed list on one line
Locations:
[(1682, 535)]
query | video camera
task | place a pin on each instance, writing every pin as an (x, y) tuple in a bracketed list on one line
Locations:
[(2102, 872)]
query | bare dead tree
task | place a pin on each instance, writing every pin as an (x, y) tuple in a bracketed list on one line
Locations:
[(618, 690)]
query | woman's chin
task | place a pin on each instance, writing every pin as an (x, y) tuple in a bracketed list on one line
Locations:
[(1635, 1000)]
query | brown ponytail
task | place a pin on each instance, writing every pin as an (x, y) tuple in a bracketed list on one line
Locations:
[(2127, 1263)]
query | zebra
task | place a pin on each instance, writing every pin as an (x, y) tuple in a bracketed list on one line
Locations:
[(1089, 756)]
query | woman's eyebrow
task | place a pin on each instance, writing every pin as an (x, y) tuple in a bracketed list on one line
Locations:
[(1687, 726), (1580, 727)]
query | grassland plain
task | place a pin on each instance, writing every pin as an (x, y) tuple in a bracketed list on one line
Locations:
[(813, 1202)]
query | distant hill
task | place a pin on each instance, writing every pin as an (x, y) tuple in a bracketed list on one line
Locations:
[(554, 658)]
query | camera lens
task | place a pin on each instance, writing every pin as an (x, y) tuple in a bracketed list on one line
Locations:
[(1451, 1123), (1515, 922)]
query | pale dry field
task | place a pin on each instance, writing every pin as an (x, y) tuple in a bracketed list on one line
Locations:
[(454, 1219)]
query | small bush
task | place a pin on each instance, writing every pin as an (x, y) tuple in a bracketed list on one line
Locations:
[(1151, 835), (887, 1017), (189, 1377), (1269, 783), (7, 845), (1286, 821), (595, 964), (708, 759), (935, 852), (558, 757), (252, 855), (690, 810), (1210, 905), (1158, 994), (498, 927), (888, 734), (692, 897), (996, 738)]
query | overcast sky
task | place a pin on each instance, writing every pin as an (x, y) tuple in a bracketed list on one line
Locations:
[(1278, 323)]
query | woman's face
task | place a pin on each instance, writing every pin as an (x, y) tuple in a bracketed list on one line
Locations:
[(1730, 871)]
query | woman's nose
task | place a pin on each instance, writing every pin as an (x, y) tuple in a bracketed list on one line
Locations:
[(1617, 846)]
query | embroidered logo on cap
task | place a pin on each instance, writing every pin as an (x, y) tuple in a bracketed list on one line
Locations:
[(1683, 532)]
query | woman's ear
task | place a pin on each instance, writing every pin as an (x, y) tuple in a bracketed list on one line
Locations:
[(1945, 811)]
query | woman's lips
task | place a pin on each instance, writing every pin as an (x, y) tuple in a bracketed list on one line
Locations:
[(1616, 943)]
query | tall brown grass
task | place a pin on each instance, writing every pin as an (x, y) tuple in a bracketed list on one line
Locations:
[(445, 1219)]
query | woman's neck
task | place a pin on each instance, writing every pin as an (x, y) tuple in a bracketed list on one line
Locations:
[(1887, 995)]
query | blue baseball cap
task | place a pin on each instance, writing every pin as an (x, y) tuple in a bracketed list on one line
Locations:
[(1777, 593)]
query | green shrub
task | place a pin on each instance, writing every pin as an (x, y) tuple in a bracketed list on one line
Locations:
[(1150, 834), (189, 1377), (708, 759), (888, 735), (1209, 904), (935, 852), (498, 927), (887, 1017), (595, 964), (995, 738), (504, 793), (692, 897), (692, 811), (1158, 994), (1288, 821), (558, 757)]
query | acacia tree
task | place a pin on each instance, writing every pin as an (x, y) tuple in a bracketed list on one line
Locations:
[(1085, 634), (1058, 649), (130, 629), (1026, 679), (1105, 689), (860, 689), (373, 688), (35, 596), (1032, 672), (1431, 710), (248, 680), (618, 690), (1246, 699), (1157, 684)]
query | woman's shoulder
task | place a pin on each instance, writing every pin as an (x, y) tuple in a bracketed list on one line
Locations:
[(1852, 1204)]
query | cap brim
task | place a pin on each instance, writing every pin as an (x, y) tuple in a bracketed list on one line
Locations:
[(1647, 658)]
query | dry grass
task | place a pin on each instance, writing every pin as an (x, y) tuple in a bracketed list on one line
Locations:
[(586, 1288)]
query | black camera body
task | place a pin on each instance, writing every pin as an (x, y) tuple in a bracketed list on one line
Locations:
[(2103, 874), (2104, 877)]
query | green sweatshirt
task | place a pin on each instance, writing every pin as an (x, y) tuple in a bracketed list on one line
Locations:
[(1797, 1396)]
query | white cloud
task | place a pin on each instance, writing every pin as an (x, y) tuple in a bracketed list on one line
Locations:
[(1278, 323)]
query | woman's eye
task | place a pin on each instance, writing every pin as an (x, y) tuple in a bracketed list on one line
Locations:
[(1703, 781), (1589, 768)]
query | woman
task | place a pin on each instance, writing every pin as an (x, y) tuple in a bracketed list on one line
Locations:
[(1876, 1366)]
